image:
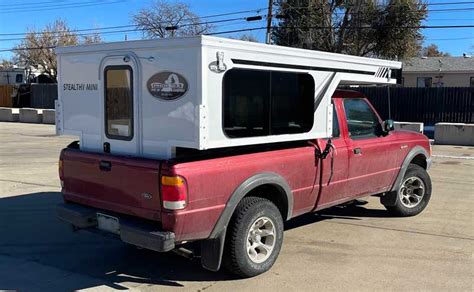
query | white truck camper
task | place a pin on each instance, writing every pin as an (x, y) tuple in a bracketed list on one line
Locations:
[(151, 98)]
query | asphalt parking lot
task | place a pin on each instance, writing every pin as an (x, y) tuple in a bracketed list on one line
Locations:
[(350, 248)]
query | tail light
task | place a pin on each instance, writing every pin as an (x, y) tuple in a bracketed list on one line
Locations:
[(174, 192), (61, 171)]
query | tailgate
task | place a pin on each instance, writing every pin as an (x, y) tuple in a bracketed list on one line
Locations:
[(115, 183)]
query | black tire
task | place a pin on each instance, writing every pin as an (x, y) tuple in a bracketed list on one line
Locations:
[(400, 209), (236, 258)]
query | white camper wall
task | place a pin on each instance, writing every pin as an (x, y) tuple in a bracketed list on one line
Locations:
[(81, 109), (160, 124), (212, 97), (168, 124)]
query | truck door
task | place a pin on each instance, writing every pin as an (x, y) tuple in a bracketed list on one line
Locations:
[(372, 158), (120, 133), (335, 176)]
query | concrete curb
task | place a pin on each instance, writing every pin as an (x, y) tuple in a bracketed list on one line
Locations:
[(31, 115), (454, 134), (409, 126), (9, 114), (28, 115), (49, 116)]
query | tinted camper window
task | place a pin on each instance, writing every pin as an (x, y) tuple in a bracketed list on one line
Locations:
[(119, 102), (260, 103), (19, 78)]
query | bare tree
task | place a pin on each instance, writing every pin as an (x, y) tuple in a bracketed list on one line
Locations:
[(92, 39), (163, 20), (37, 48), (249, 38), (7, 64)]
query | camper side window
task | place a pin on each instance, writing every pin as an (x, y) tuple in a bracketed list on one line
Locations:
[(19, 78), (261, 103), (118, 102)]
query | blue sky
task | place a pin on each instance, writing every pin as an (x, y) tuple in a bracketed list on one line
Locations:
[(103, 13)]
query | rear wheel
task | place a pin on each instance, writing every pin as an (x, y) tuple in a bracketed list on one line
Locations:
[(254, 238), (414, 193)]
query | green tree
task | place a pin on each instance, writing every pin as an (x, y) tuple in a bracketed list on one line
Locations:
[(37, 48), (358, 27)]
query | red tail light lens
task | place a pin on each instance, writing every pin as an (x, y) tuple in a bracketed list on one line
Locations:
[(61, 171), (174, 192)]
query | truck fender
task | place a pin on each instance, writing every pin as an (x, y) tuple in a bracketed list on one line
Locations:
[(391, 200), (213, 247)]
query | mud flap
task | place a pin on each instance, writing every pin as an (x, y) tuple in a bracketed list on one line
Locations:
[(389, 198), (212, 250)]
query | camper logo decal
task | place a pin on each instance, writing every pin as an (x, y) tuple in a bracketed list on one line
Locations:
[(167, 85)]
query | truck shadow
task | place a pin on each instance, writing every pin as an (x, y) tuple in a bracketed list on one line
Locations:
[(32, 235), (348, 212)]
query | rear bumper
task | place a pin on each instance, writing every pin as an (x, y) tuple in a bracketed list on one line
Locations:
[(139, 233)]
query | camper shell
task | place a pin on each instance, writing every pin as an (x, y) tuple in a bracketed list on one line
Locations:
[(191, 93), (12, 76)]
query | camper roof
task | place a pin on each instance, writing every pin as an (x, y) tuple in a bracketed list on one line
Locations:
[(290, 55)]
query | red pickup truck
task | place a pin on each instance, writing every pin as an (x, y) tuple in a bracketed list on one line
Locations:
[(234, 201)]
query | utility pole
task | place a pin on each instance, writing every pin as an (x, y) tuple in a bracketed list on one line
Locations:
[(268, 38)]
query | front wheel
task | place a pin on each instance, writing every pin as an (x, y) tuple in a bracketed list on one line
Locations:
[(414, 193), (254, 238)]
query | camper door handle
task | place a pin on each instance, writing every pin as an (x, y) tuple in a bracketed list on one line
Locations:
[(105, 165)]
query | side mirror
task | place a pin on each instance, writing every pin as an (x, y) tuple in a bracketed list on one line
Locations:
[(388, 125)]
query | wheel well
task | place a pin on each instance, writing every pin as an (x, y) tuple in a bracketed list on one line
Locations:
[(273, 193), (420, 160)]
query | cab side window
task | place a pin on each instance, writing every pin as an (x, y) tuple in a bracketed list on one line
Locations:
[(362, 122)]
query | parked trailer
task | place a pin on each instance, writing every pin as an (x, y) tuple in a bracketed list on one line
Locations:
[(12, 76)]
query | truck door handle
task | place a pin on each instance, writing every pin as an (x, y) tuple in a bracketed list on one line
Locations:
[(105, 165), (357, 151)]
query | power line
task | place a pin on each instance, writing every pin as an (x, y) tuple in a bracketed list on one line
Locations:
[(352, 13), (449, 39), (95, 30), (133, 25), (135, 29), (388, 26), (264, 27), (281, 27), (449, 3), (56, 7), (30, 4), (451, 9)]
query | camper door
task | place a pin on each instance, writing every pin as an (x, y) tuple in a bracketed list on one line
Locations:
[(120, 106)]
